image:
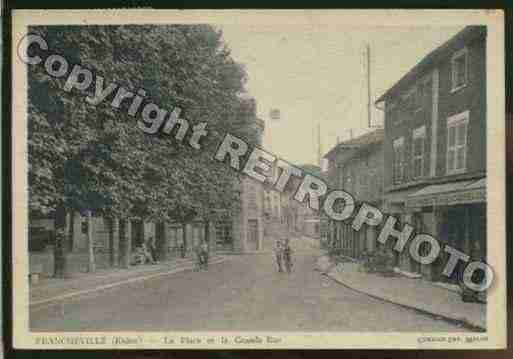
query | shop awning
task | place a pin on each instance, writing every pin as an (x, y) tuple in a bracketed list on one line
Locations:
[(393, 201), (449, 194)]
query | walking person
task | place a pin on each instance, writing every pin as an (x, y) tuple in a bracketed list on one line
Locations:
[(287, 255), (152, 247), (148, 257), (278, 253), (199, 257), (204, 253)]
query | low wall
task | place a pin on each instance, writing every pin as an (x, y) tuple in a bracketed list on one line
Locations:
[(76, 262)]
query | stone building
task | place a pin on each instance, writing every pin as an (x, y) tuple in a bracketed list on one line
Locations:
[(248, 225), (298, 218), (435, 148), (356, 166)]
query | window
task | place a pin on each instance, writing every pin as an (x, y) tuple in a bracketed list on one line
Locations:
[(409, 100), (419, 137), (398, 160), (422, 93), (348, 180), (252, 196), (459, 69), (391, 113), (457, 142)]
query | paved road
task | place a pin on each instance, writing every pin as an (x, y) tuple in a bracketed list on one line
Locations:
[(245, 293)]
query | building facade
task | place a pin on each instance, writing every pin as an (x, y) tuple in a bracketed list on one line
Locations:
[(298, 218), (435, 149), (356, 166), (244, 232)]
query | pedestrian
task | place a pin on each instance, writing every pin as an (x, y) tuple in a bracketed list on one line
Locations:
[(287, 254), (199, 257), (148, 258), (181, 247), (152, 247), (204, 253), (278, 253)]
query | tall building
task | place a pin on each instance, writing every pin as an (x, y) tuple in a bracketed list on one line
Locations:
[(435, 148), (248, 226), (356, 166)]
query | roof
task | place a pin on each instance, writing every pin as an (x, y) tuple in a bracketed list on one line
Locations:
[(468, 34), (363, 141), (311, 169)]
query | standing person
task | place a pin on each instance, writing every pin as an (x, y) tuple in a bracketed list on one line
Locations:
[(204, 253), (278, 253), (152, 246), (148, 257), (287, 255)]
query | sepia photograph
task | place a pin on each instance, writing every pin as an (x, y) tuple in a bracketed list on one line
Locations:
[(258, 179)]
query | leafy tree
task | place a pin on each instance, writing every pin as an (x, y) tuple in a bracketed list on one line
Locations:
[(95, 157)]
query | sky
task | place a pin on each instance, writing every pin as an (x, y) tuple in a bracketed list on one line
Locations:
[(317, 75)]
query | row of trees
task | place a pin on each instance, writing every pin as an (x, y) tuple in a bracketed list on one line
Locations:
[(84, 157)]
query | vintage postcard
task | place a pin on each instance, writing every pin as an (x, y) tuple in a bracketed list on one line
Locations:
[(258, 179)]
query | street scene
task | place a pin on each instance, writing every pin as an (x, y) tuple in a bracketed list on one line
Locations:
[(240, 294), (209, 177)]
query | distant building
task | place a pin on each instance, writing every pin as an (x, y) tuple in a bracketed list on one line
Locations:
[(435, 148), (356, 166), (248, 225), (298, 218)]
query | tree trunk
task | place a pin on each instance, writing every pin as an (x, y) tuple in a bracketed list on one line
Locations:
[(113, 241), (207, 233), (90, 244), (125, 242), (184, 250), (71, 231), (59, 249), (161, 241)]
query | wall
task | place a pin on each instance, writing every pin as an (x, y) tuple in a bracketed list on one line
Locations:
[(472, 98)]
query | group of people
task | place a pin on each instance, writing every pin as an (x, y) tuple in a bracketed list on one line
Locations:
[(145, 253), (283, 254)]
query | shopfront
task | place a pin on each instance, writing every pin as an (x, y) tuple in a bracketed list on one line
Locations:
[(455, 214)]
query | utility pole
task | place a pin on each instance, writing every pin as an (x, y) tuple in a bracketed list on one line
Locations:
[(369, 87), (369, 119), (319, 143)]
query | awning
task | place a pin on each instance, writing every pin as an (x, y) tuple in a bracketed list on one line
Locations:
[(395, 201), (449, 194), (398, 197)]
